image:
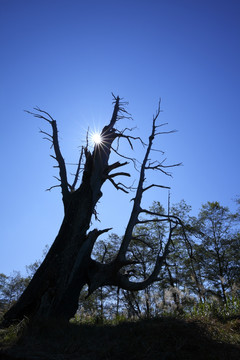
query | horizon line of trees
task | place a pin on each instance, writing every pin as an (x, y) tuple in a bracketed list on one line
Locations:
[(202, 266)]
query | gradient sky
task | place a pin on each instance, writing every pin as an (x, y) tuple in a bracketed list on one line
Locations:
[(67, 56)]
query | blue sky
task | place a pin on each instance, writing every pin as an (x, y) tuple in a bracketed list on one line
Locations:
[(67, 56)]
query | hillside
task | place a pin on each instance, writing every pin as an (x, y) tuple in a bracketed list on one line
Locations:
[(163, 338)]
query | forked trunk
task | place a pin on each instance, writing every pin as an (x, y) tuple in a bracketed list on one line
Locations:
[(54, 289)]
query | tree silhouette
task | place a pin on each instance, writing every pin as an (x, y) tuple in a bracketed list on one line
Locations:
[(68, 266)]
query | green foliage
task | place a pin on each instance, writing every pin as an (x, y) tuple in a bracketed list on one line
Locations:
[(13, 333), (202, 267), (200, 276), (11, 287), (214, 309)]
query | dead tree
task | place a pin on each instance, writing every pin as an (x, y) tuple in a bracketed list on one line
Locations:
[(54, 289)]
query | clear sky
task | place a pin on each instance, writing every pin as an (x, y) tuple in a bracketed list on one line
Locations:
[(67, 56)]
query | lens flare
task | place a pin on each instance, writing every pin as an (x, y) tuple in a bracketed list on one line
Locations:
[(96, 138)]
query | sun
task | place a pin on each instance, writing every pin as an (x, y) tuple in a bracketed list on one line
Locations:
[(96, 138)]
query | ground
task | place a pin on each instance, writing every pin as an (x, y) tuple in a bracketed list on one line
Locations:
[(166, 338)]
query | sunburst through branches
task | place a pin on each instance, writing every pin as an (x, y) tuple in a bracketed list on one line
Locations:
[(96, 138)]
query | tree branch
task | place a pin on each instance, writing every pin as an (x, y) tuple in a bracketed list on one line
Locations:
[(124, 282), (58, 155), (117, 186), (142, 241), (52, 187), (129, 138), (77, 171), (119, 174), (115, 166), (154, 185), (135, 161), (137, 200)]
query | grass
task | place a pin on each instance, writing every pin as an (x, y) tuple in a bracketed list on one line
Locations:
[(161, 338)]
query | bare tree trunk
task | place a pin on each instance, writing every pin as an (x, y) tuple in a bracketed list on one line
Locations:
[(174, 287), (101, 305), (117, 306), (54, 289), (147, 302)]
